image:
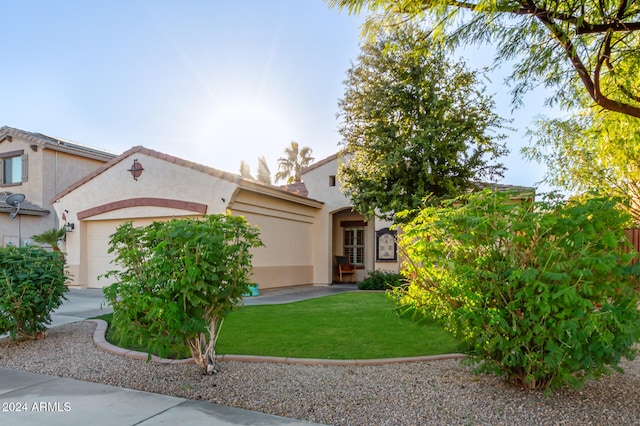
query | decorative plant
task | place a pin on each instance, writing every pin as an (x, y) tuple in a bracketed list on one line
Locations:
[(381, 280), (51, 237), (542, 293), (32, 285), (179, 279)]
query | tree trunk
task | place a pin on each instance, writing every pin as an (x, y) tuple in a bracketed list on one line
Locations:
[(202, 348)]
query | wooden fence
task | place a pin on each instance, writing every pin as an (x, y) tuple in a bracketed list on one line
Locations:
[(634, 237)]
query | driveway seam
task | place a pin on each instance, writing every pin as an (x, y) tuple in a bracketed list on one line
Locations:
[(99, 339)]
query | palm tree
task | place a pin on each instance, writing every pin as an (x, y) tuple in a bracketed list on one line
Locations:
[(51, 237), (245, 170), (264, 174), (290, 166)]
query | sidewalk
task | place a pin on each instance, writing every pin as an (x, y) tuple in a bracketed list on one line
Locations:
[(37, 399)]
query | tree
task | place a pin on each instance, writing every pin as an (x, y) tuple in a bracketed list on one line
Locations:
[(592, 44), (245, 170), (51, 237), (543, 294), (264, 174), (179, 279), (290, 166), (592, 150), (414, 125)]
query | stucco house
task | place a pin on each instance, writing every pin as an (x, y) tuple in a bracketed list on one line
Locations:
[(38, 166), (303, 226)]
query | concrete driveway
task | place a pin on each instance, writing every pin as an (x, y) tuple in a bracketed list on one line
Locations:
[(81, 304)]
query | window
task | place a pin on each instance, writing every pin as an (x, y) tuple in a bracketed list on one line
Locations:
[(354, 245), (332, 180), (14, 167), (12, 170)]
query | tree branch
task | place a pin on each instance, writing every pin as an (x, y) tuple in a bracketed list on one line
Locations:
[(592, 86), (604, 54), (581, 25), (571, 52), (613, 26)]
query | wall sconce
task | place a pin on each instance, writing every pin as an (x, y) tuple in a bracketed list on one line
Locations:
[(70, 226)]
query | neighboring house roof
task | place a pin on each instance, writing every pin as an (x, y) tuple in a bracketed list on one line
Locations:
[(56, 144), (525, 191), (242, 182), (25, 207)]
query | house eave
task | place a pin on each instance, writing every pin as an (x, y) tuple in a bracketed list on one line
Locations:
[(277, 192)]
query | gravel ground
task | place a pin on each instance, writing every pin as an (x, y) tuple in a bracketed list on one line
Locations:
[(418, 393)]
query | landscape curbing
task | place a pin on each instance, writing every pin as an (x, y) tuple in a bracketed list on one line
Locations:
[(99, 339)]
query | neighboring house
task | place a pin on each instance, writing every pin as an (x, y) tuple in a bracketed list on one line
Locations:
[(38, 166)]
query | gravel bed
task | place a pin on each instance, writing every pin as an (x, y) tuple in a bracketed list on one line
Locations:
[(417, 393)]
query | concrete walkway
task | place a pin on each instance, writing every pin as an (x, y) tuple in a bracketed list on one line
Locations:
[(38, 399), (80, 304)]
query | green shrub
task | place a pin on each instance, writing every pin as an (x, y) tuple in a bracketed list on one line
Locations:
[(179, 280), (381, 280), (542, 293), (32, 285)]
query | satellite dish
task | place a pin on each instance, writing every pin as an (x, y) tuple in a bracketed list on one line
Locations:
[(14, 200)]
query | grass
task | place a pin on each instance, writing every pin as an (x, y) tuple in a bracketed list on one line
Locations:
[(344, 326)]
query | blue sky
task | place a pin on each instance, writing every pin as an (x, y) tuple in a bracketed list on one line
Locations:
[(210, 81)]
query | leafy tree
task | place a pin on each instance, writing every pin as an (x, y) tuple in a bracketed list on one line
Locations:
[(51, 237), (290, 166), (264, 174), (592, 150), (588, 44), (179, 279), (542, 294), (414, 124)]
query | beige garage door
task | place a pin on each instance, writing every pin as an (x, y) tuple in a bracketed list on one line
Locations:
[(98, 259)]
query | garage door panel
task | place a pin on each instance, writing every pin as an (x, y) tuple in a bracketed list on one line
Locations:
[(99, 261)]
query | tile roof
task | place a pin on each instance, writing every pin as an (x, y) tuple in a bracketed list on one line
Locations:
[(242, 182), (524, 190), (56, 144), (296, 188), (26, 207)]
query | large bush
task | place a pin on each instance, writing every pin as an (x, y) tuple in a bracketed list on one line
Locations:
[(32, 285), (542, 292), (178, 281)]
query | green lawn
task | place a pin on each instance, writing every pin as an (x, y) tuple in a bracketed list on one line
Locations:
[(344, 326)]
